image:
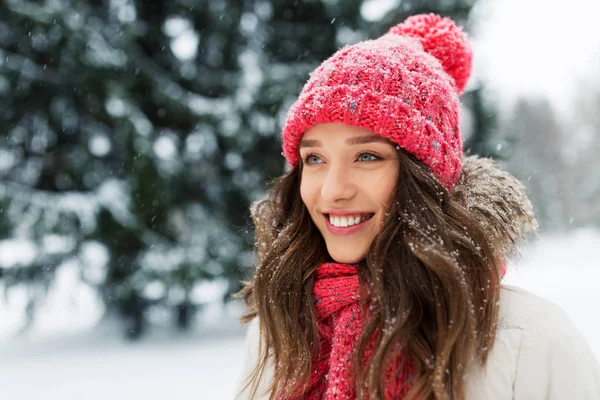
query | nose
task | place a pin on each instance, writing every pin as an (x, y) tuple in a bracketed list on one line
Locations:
[(338, 184)]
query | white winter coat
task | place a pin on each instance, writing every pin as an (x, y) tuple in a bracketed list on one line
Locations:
[(538, 354)]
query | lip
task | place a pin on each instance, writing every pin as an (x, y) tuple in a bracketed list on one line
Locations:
[(341, 231), (343, 212)]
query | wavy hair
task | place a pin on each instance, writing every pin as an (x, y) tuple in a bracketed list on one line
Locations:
[(434, 270)]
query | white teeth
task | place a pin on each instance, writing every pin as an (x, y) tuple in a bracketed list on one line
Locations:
[(346, 221)]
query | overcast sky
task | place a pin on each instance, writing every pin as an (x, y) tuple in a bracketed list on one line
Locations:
[(548, 48)]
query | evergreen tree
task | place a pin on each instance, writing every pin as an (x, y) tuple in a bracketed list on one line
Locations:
[(141, 131)]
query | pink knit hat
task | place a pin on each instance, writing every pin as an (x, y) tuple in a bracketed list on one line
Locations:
[(403, 86)]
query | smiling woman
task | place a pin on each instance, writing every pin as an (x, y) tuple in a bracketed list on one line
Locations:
[(380, 254)]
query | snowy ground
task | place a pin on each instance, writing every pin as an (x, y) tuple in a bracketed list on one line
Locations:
[(97, 365)]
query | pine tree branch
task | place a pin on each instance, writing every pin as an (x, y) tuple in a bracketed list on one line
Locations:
[(30, 11), (196, 104), (13, 62)]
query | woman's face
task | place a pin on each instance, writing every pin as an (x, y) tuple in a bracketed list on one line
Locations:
[(348, 177)]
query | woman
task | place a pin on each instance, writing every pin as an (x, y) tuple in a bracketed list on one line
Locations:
[(381, 251)]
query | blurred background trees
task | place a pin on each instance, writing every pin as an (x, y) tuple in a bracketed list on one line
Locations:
[(134, 136)]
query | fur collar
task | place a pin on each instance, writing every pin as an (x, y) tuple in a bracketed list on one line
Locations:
[(499, 200)]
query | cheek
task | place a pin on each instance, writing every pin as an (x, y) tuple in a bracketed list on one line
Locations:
[(383, 191), (307, 192), (388, 193), (384, 199)]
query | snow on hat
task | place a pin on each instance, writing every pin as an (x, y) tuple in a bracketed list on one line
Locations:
[(403, 86)]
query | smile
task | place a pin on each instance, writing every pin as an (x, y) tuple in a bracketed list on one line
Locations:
[(346, 225)]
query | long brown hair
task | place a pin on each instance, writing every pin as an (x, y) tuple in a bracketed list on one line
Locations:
[(434, 270)]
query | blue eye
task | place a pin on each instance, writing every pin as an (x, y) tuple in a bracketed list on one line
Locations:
[(311, 159), (362, 158)]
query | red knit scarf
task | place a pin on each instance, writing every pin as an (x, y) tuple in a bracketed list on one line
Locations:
[(341, 319)]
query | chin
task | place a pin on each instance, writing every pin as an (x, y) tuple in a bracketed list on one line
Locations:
[(347, 258)]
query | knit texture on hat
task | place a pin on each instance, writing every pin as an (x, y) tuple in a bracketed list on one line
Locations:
[(341, 319), (403, 86)]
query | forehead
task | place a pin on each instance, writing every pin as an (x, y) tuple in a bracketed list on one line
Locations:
[(337, 129), (337, 134)]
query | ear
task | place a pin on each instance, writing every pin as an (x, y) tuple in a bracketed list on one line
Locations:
[(499, 201)]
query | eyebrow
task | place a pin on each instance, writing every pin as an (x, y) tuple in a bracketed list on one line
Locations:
[(350, 141)]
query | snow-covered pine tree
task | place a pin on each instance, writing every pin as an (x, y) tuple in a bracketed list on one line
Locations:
[(137, 133)]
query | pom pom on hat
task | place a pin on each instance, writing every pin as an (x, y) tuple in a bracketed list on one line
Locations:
[(441, 38)]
